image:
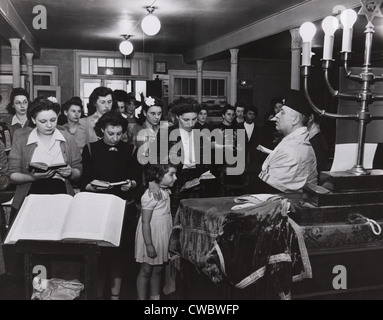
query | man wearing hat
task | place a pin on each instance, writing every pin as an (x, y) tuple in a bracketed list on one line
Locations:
[(292, 163)]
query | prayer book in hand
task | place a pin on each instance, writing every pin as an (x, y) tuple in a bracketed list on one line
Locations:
[(196, 181), (43, 167), (106, 184)]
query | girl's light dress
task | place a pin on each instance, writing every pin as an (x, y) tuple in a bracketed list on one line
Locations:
[(160, 225)]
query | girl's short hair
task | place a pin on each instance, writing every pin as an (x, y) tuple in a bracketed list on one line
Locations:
[(16, 92), (110, 118), (98, 92), (41, 104), (155, 172)]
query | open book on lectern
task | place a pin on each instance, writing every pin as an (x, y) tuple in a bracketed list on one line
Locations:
[(86, 216)]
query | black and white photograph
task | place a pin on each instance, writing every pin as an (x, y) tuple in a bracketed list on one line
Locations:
[(205, 153)]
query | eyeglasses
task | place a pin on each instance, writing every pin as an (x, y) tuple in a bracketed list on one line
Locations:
[(19, 103)]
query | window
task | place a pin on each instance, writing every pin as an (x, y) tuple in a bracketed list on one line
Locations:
[(185, 86), (105, 66), (110, 69), (215, 85)]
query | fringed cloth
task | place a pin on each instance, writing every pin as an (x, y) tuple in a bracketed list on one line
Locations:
[(259, 246)]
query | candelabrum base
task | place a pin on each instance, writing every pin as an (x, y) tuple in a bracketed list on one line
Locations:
[(358, 171)]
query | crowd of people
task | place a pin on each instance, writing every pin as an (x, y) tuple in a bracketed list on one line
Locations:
[(122, 139)]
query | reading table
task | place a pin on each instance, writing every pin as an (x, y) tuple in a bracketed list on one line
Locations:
[(69, 251)]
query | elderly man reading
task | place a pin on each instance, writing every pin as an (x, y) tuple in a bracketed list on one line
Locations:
[(292, 163)]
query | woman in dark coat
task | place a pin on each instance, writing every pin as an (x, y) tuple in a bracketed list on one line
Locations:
[(106, 162)]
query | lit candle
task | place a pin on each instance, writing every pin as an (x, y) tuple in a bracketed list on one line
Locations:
[(329, 25), (348, 18), (307, 32)]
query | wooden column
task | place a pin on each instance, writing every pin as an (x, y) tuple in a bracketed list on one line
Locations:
[(296, 44), (15, 43), (233, 75), (199, 80), (30, 74)]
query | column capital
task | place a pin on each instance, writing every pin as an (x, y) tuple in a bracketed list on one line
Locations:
[(199, 65), (234, 55), (29, 57), (296, 40), (15, 46)]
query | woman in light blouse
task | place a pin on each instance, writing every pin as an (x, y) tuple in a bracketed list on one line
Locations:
[(43, 144)]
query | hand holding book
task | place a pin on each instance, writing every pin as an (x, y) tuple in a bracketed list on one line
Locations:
[(41, 167), (103, 185)]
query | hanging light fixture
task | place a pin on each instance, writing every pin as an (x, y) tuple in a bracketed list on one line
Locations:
[(126, 47), (151, 25)]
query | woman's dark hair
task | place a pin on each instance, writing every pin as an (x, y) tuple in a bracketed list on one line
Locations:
[(240, 104), (110, 118), (72, 101), (185, 108), (227, 107), (271, 111), (120, 95), (203, 106), (157, 103), (251, 108), (16, 92), (155, 172), (65, 107), (41, 104), (98, 92)]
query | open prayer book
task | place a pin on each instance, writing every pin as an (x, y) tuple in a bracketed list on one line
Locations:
[(43, 167), (106, 184), (87, 216), (196, 181)]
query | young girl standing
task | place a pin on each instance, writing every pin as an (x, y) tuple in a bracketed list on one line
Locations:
[(153, 231)]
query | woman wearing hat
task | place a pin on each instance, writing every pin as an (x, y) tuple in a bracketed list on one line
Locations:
[(43, 143)]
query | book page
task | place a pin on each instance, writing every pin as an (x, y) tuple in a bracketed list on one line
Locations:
[(95, 216), (346, 155), (41, 217)]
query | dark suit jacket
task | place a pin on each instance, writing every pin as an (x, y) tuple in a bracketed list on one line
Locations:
[(321, 151), (378, 158), (254, 157)]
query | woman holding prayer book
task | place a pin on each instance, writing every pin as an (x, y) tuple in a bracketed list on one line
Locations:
[(110, 167), (43, 143)]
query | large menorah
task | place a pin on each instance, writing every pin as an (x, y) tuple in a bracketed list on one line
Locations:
[(366, 77)]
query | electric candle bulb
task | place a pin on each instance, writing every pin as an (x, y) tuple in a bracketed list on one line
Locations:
[(329, 25), (307, 32), (348, 18)]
